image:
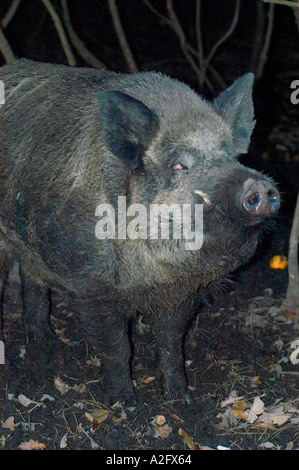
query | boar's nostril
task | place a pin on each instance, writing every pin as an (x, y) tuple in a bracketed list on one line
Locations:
[(261, 199), (253, 200)]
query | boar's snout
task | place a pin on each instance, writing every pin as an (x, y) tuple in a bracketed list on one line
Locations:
[(261, 199)]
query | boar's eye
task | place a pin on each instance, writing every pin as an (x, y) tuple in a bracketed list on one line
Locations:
[(179, 166)]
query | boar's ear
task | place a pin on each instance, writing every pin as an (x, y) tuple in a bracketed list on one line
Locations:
[(235, 105), (128, 126)]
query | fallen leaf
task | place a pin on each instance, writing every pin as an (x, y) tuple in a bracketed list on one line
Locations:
[(227, 419), (255, 382), (24, 400), (240, 405), (64, 387), (256, 409), (275, 416), (97, 416), (81, 388), (161, 431), (148, 380), (63, 442), (263, 426), (290, 445), (61, 386), (61, 336), (32, 445), (240, 414), (10, 423), (121, 417), (93, 361), (47, 397), (160, 420), (174, 416), (267, 445), (231, 399), (187, 439), (22, 352)]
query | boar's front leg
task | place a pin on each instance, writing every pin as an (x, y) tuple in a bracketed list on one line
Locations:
[(169, 326), (106, 328)]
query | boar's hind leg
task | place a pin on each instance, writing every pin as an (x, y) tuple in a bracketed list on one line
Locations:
[(3, 279), (36, 315), (169, 327), (107, 331)]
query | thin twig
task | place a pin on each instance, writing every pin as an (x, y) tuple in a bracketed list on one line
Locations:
[(283, 2), (189, 51), (5, 48), (10, 13), (121, 37), (156, 12), (82, 50), (60, 31), (181, 35), (225, 36), (258, 35), (198, 34), (264, 53)]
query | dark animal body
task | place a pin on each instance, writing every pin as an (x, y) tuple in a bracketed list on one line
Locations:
[(74, 138)]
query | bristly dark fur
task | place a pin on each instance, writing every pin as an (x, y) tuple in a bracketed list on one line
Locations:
[(74, 138)]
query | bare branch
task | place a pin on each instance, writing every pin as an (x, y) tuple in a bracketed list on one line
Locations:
[(181, 35), (121, 37), (258, 35), (190, 52), (5, 48), (198, 34), (10, 13), (156, 12), (264, 53), (291, 301), (82, 50), (284, 2), (225, 36), (60, 31)]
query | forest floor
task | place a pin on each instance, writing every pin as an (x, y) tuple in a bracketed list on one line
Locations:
[(238, 361)]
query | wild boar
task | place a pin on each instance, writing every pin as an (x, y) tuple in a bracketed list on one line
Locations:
[(87, 153)]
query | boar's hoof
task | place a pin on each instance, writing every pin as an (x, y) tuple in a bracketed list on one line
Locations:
[(177, 390), (188, 398), (182, 394)]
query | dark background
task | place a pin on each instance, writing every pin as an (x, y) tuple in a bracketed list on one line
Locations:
[(155, 46)]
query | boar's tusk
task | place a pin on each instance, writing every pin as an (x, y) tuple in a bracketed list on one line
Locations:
[(203, 195)]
